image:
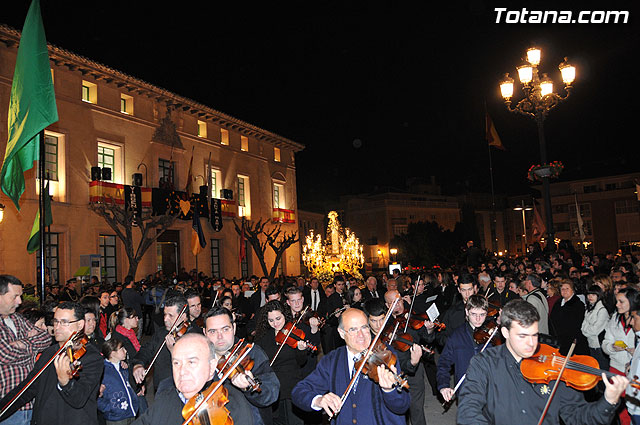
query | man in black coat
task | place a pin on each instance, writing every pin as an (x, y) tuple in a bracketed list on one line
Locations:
[(189, 378), (313, 294), (455, 316), (59, 398), (162, 366), (259, 298)]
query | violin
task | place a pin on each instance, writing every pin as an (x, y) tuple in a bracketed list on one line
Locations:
[(581, 372), (180, 331), (416, 321), (312, 314), (75, 350), (290, 335), (401, 341), (74, 347), (237, 351), (214, 413), (482, 334), (208, 407), (381, 356)]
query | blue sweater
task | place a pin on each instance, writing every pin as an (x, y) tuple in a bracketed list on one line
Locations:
[(119, 401)]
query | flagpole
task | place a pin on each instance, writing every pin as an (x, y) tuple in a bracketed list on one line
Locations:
[(493, 230), (41, 207)]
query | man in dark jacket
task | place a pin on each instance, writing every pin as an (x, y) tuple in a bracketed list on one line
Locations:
[(193, 370), (455, 315), (461, 346), (60, 399), (162, 366)]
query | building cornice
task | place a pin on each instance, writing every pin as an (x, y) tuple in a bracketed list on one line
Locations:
[(99, 72)]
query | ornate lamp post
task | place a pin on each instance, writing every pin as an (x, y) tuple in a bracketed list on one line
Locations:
[(538, 100)]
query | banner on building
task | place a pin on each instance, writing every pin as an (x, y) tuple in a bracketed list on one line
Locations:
[(216, 214)]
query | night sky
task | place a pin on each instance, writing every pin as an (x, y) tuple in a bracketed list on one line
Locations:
[(378, 92)]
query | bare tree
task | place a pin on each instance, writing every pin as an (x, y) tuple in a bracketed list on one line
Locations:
[(122, 223), (259, 238)]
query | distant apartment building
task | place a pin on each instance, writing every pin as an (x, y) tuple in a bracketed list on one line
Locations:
[(609, 209)]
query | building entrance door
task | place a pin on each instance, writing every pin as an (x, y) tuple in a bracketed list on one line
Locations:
[(168, 252)]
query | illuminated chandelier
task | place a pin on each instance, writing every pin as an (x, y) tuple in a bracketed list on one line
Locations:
[(340, 253)]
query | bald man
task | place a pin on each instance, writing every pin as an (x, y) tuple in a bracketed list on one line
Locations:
[(194, 369), (368, 402)]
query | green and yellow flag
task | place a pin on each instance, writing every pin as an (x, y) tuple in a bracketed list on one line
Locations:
[(32, 106), (34, 239)]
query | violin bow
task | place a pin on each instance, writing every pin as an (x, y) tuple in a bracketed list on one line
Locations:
[(173, 327), (555, 386), (286, 336), (413, 299), (447, 404), (22, 391), (365, 357), (204, 401)]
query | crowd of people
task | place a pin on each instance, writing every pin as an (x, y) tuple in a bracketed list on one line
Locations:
[(306, 341)]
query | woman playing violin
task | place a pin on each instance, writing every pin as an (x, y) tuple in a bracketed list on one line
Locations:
[(496, 392), (289, 362)]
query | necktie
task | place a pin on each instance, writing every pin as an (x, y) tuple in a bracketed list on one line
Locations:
[(355, 384), (314, 306)]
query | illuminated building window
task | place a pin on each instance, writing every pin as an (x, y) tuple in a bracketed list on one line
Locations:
[(89, 92), (244, 198), (276, 154), (202, 129), (244, 144), (224, 136), (216, 183), (126, 104), (110, 156), (278, 196)]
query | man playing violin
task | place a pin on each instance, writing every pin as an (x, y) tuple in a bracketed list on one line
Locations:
[(162, 366), (295, 300), (193, 371), (61, 399), (496, 392), (220, 331), (368, 402), (409, 360), (461, 346)]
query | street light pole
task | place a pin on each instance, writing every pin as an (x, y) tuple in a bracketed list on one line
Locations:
[(538, 101), (524, 224)]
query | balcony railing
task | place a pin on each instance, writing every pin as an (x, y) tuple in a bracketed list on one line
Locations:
[(280, 215)]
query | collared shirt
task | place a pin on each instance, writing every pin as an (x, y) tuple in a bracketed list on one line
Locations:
[(15, 363), (495, 392)]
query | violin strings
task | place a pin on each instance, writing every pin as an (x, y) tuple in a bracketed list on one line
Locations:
[(582, 367)]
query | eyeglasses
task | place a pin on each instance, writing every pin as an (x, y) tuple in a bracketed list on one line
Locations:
[(353, 331), (64, 322), (225, 330)]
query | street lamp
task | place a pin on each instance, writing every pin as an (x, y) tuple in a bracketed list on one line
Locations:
[(538, 100), (523, 208), (394, 252)]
